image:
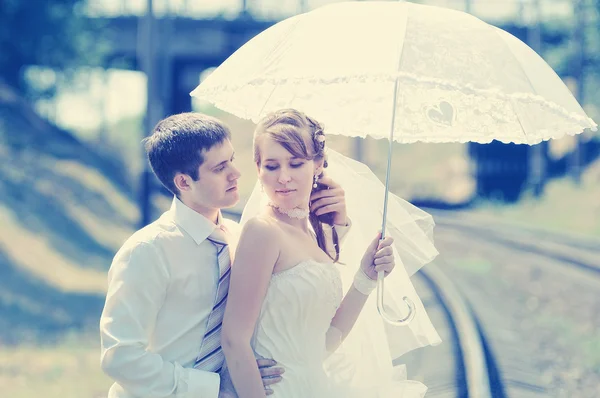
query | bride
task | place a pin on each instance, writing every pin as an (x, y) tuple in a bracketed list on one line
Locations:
[(286, 298)]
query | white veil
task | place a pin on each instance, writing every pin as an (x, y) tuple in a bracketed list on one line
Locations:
[(412, 230)]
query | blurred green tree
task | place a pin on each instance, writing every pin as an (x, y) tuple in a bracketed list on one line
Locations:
[(52, 33)]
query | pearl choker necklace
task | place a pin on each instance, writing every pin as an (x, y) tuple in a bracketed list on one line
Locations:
[(296, 212)]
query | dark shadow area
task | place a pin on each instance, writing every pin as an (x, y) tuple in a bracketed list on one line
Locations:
[(435, 203)]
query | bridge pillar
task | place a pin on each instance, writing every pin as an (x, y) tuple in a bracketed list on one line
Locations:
[(180, 100), (184, 78)]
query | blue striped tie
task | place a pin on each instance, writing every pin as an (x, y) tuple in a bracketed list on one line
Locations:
[(211, 357)]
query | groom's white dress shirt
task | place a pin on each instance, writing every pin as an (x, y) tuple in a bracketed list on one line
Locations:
[(161, 288)]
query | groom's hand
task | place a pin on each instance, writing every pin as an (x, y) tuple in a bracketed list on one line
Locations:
[(269, 373), (330, 199)]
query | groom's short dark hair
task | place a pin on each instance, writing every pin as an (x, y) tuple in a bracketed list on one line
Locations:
[(177, 142)]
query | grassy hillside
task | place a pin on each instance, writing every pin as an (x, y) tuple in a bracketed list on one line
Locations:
[(63, 211)]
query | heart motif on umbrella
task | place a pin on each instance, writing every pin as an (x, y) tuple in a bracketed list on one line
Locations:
[(442, 113)]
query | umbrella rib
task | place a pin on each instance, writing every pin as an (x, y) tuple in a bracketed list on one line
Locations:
[(512, 105), (392, 128), (533, 90), (266, 102), (400, 57), (282, 39)]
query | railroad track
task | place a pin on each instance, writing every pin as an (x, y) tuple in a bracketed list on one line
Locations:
[(559, 258), (584, 254), (463, 366)]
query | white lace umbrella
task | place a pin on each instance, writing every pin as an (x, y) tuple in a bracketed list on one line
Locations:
[(400, 70)]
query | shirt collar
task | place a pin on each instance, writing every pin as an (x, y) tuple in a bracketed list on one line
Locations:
[(194, 223)]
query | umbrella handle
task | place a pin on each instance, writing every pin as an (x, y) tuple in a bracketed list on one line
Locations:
[(392, 321)]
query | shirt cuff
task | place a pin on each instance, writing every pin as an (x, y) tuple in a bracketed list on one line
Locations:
[(202, 384)]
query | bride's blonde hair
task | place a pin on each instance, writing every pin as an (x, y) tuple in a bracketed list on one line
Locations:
[(303, 137)]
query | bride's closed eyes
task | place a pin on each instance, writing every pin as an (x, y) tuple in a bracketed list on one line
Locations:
[(293, 165)]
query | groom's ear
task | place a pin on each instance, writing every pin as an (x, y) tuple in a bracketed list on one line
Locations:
[(181, 182)]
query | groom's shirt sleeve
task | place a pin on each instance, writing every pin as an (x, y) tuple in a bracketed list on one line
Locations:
[(138, 281)]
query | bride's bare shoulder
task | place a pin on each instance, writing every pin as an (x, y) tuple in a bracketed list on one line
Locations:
[(259, 239), (261, 227)]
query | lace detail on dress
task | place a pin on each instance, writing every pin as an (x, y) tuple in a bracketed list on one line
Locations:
[(337, 290)]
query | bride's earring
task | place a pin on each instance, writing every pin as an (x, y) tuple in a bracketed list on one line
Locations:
[(315, 183)]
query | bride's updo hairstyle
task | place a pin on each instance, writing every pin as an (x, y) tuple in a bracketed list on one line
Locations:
[(303, 137)]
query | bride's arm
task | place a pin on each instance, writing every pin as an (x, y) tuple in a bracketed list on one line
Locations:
[(344, 319), (255, 258), (377, 257)]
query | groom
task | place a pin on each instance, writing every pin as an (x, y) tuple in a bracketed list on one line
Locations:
[(167, 285)]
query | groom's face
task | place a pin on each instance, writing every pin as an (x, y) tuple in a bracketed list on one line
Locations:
[(216, 187)]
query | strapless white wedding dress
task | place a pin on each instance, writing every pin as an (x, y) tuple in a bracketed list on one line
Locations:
[(296, 313)]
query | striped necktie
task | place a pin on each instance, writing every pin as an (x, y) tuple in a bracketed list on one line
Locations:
[(211, 357)]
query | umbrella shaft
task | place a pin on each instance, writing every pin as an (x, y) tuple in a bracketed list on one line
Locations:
[(389, 164)]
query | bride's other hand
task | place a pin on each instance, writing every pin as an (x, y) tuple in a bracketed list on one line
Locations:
[(330, 199), (379, 256)]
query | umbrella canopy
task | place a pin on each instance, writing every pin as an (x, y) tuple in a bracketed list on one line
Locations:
[(458, 78), (400, 70)]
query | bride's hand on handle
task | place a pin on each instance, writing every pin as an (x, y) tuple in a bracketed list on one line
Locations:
[(379, 256)]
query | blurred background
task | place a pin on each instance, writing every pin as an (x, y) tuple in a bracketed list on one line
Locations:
[(82, 82)]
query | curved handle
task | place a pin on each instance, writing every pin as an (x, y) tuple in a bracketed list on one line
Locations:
[(412, 310)]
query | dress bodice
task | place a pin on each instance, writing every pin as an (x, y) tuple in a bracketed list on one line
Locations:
[(295, 316), (296, 313)]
